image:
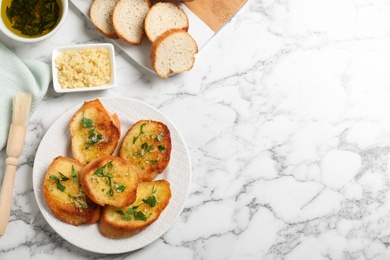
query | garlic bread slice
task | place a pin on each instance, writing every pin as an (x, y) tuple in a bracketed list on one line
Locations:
[(64, 195), (94, 131), (110, 180), (152, 198), (147, 145)]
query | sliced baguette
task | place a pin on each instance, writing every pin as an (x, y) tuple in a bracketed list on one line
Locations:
[(162, 17), (173, 52), (94, 131), (64, 195), (100, 13), (152, 198), (147, 145), (110, 180), (128, 19)]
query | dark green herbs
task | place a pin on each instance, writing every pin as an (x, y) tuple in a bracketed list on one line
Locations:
[(33, 17), (58, 181), (104, 172), (141, 131), (93, 136), (133, 213)]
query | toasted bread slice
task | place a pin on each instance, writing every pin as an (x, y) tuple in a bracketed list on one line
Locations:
[(110, 180), (128, 19), (95, 132), (173, 52), (101, 16), (64, 195), (152, 198), (162, 17), (147, 145)]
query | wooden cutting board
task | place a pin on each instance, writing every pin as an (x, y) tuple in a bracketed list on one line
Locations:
[(215, 13)]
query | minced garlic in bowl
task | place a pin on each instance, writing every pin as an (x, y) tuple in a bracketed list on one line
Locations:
[(83, 67)]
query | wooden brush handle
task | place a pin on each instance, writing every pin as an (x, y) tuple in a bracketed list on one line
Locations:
[(6, 196), (14, 149)]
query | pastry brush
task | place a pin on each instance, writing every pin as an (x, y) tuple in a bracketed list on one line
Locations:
[(17, 131)]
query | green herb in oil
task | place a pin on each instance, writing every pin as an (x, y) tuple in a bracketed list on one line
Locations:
[(33, 17)]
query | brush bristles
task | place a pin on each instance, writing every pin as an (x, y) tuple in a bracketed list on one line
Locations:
[(21, 108)]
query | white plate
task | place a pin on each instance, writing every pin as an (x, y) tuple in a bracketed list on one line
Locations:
[(78, 47), (141, 54), (57, 142)]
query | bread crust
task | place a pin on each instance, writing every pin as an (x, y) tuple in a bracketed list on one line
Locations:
[(110, 180), (115, 225), (71, 205), (151, 151), (169, 60), (101, 16), (125, 22), (157, 22), (92, 141)]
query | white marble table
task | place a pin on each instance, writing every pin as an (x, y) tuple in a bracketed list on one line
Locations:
[(286, 116)]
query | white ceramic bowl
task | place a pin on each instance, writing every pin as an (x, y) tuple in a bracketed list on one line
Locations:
[(63, 49), (10, 34)]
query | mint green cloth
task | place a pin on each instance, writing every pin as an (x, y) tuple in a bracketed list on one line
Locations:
[(17, 75)]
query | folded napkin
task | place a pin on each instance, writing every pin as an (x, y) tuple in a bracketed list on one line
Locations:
[(19, 75)]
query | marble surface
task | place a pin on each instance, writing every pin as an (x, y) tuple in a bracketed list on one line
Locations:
[(286, 116)]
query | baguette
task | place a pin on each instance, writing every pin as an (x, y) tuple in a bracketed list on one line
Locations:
[(173, 52), (110, 180), (128, 20), (101, 16), (152, 198), (147, 145), (64, 195), (94, 131), (162, 17)]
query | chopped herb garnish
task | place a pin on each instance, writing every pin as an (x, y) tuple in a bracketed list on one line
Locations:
[(138, 153), (151, 201), (159, 137), (152, 161), (110, 192), (140, 132), (57, 182), (86, 122), (139, 215), (104, 172), (162, 148), (74, 174), (63, 177), (93, 138), (79, 202), (120, 187)]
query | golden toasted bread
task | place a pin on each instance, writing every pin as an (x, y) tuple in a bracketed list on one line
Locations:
[(64, 195), (95, 132), (147, 145), (152, 198), (110, 180)]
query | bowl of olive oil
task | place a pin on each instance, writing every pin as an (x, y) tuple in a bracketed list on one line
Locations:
[(32, 20)]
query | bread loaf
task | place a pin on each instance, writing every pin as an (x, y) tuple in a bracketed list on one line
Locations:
[(147, 145), (101, 16), (173, 52), (128, 19), (162, 17), (152, 198), (64, 195)]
